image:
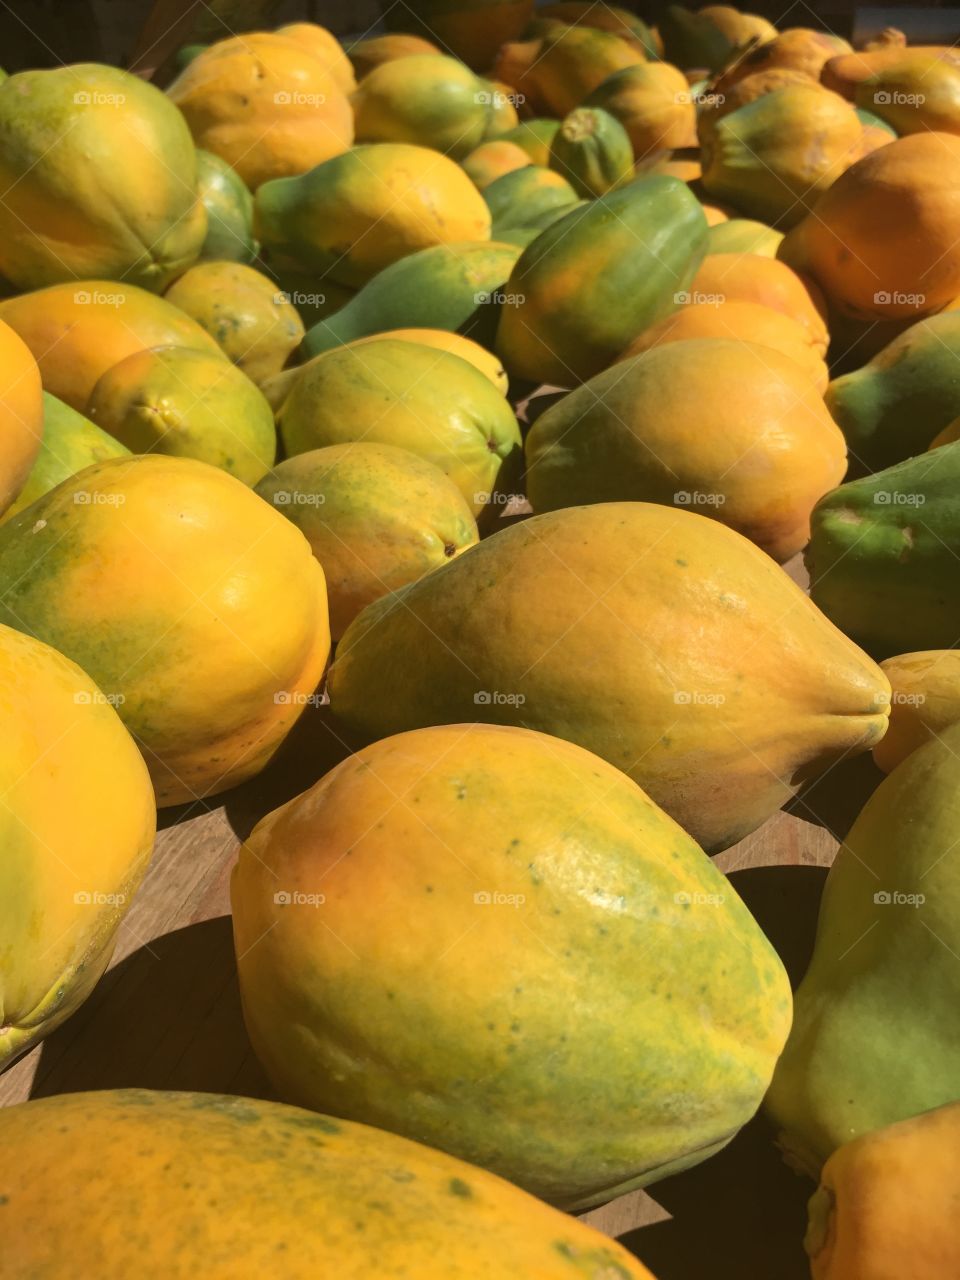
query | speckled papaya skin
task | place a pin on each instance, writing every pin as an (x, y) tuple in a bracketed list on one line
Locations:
[(544, 1068), (244, 1187)]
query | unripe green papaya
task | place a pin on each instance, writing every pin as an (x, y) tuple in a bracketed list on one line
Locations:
[(593, 151), (874, 1035), (597, 277), (446, 287), (892, 407), (521, 198), (431, 101), (884, 555), (743, 235), (229, 206), (534, 137)]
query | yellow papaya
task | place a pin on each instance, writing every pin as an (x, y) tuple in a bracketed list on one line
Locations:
[(916, 94), (558, 72), (924, 702), (652, 101), (198, 608), (534, 137), (21, 414), (846, 71), (425, 100), (491, 160), (796, 48), (373, 50), (754, 277), (326, 48), (78, 827), (454, 343), (744, 235)]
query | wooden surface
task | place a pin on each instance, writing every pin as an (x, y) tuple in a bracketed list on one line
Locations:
[(167, 1013)]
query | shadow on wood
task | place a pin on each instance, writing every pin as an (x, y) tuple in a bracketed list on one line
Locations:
[(834, 800), (167, 1017)]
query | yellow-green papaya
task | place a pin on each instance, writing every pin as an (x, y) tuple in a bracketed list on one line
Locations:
[(925, 700), (534, 137), (426, 100), (525, 196), (229, 207), (743, 235), (593, 151)]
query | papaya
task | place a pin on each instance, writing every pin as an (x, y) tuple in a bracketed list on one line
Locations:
[(885, 1203), (709, 38), (593, 151), (522, 197), (714, 106), (198, 608), (229, 207), (535, 137), (503, 102), (873, 138), (256, 326), (99, 175), (446, 287), (773, 156), (606, 17), (326, 48), (871, 121), (635, 433), (78, 831), (741, 321), (429, 101), (301, 290), (187, 404), (21, 414), (454, 343), (797, 49), (665, 577), (883, 556), (925, 700), (429, 401), (753, 277), (894, 405), (472, 30), (266, 1181), (884, 241), (653, 103), (713, 213), (889, 924), (265, 104), (685, 166), (597, 277), (77, 332), (376, 517), (916, 94), (370, 52), (363, 210), (70, 443), (493, 159), (455, 1051), (555, 74), (846, 71), (744, 235)]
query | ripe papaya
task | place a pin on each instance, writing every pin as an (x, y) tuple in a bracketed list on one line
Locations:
[(889, 924), (895, 405), (472, 30), (886, 1203), (78, 831), (349, 218), (447, 287), (229, 207), (666, 576), (431, 402), (531, 817), (254, 324), (593, 151), (846, 71), (557, 72), (491, 160), (99, 175), (373, 50), (77, 332), (444, 340), (924, 701), (797, 49), (606, 17), (424, 100), (710, 37), (265, 1181), (70, 443), (753, 277), (597, 277), (376, 517), (915, 94), (526, 195), (21, 414), (187, 404), (209, 675), (264, 103), (883, 555), (635, 433), (653, 102), (883, 242), (326, 48), (535, 137), (744, 235)]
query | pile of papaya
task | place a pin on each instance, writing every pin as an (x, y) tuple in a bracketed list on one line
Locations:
[(561, 404)]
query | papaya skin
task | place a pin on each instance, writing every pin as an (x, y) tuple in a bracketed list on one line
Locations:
[(77, 332), (326, 48), (916, 94), (662, 573), (889, 913), (256, 325), (846, 71), (371, 52), (266, 1181), (212, 603), (534, 137), (797, 48), (453, 343), (593, 150), (744, 235), (491, 160), (229, 207), (425, 101), (574, 820), (527, 195), (754, 277), (559, 71), (925, 701), (857, 1230), (653, 103), (21, 414), (77, 837)]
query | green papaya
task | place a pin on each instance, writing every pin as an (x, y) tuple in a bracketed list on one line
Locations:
[(520, 198), (597, 277), (70, 443), (229, 206), (884, 555), (593, 151), (534, 137), (743, 235), (446, 287), (428, 99), (874, 1034), (708, 38), (528, 231), (896, 404)]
